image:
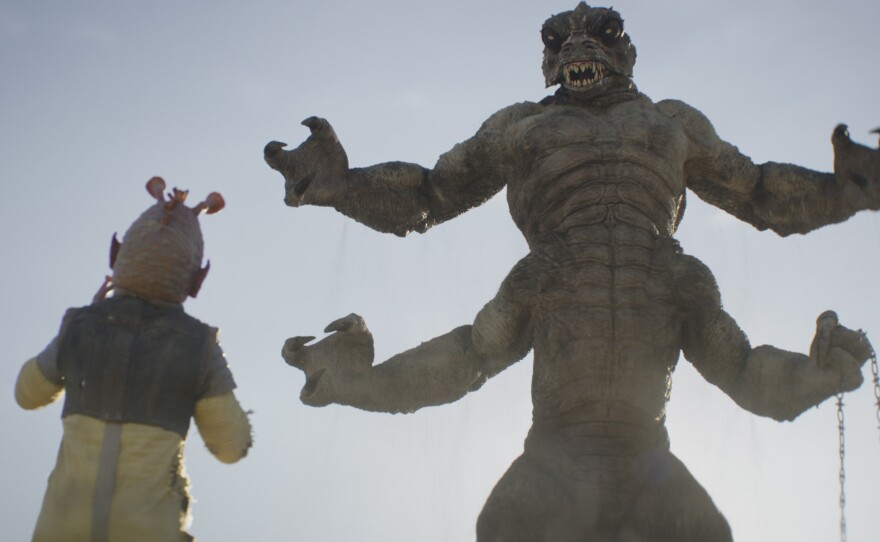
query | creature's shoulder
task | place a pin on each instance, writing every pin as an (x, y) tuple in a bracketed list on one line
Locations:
[(692, 120), (510, 115)]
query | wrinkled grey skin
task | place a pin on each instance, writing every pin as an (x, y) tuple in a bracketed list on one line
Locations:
[(596, 177)]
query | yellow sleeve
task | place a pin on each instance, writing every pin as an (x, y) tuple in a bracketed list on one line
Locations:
[(33, 390), (224, 427)]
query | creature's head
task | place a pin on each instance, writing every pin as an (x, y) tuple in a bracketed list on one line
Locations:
[(160, 256), (587, 51)]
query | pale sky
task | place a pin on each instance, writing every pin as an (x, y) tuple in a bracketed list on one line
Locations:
[(98, 96)]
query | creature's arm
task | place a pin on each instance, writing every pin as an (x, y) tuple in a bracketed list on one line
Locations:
[(398, 197), (33, 389), (224, 427), (783, 197), (764, 380), (339, 368)]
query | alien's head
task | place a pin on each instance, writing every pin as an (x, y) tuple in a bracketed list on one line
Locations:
[(587, 52), (160, 257)]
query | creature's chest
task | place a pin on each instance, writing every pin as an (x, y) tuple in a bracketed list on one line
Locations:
[(629, 135), (578, 165)]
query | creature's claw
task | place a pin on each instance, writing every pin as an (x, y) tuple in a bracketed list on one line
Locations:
[(293, 352), (839, 352), (857, 168), (307, 395), (272, 148), (334, 362), (317, 126), (825, 325), (840, 134), (353, 322), (314, 172), (303, 185)]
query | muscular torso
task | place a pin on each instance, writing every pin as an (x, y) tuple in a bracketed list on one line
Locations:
[(597, 196)]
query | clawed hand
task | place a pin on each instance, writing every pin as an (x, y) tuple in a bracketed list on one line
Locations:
[(312, 170), (839, 352), (333, 361), (859, 167)]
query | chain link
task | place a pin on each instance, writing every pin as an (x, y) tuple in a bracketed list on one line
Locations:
[(842, 475), (876, 373)]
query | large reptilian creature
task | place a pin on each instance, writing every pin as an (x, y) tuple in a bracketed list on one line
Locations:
[(596, 177)]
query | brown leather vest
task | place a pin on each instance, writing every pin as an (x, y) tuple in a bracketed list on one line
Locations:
[(126, 360)]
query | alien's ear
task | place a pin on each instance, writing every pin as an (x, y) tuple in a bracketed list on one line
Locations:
[(156, 188), (115, 245), (200, 278), (212, 204)]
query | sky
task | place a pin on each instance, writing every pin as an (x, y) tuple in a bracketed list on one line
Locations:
[(96, 97)]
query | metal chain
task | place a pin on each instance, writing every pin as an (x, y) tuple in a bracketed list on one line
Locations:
[(876, 373), (842, 476), (840, 433)]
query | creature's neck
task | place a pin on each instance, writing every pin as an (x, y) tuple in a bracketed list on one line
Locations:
[(615, 95)]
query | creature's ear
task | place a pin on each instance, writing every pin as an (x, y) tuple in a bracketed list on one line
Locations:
[(200, 278), (156, 188), (212, 204), (115, 245)]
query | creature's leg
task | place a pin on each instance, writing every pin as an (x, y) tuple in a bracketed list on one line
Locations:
[(672, 505), (528, 504)]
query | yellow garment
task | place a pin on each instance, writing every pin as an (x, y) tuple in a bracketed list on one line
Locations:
[(33, 390), (150, 494), (224, 427)]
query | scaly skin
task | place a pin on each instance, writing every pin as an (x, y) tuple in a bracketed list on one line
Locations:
[(596, 178)]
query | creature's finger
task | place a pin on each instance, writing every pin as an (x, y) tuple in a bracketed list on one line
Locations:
[(304, 184), (308, 390), (352, 322), (825, 326), (292, 350), (272, 148), (315, 124), (853, 342), (840, 134)]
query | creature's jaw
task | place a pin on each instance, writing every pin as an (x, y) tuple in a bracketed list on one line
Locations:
[(581, 75)]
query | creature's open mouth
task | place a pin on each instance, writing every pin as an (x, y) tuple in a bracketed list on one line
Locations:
[(583, 74)]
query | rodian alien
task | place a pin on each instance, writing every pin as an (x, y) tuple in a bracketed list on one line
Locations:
[(596, 176), (135, 368)]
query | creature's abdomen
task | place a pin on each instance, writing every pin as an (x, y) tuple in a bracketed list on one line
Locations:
[(609, 334)]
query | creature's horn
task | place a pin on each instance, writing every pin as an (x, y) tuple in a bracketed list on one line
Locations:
[(115, 245), (212, 204), (200, 278), (156, 188)]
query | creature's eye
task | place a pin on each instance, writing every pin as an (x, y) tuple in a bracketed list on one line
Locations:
[(552, 40), (612, 30)]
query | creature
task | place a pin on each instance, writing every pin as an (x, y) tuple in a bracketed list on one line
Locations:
[(135, 368), (606, 299)]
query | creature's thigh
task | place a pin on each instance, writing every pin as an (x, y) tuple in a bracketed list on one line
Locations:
[(529, 504), (672, 505)]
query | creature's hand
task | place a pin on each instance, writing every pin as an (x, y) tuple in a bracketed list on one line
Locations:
[(838, 353), (314, 171), (333, 364), (857, 169)]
